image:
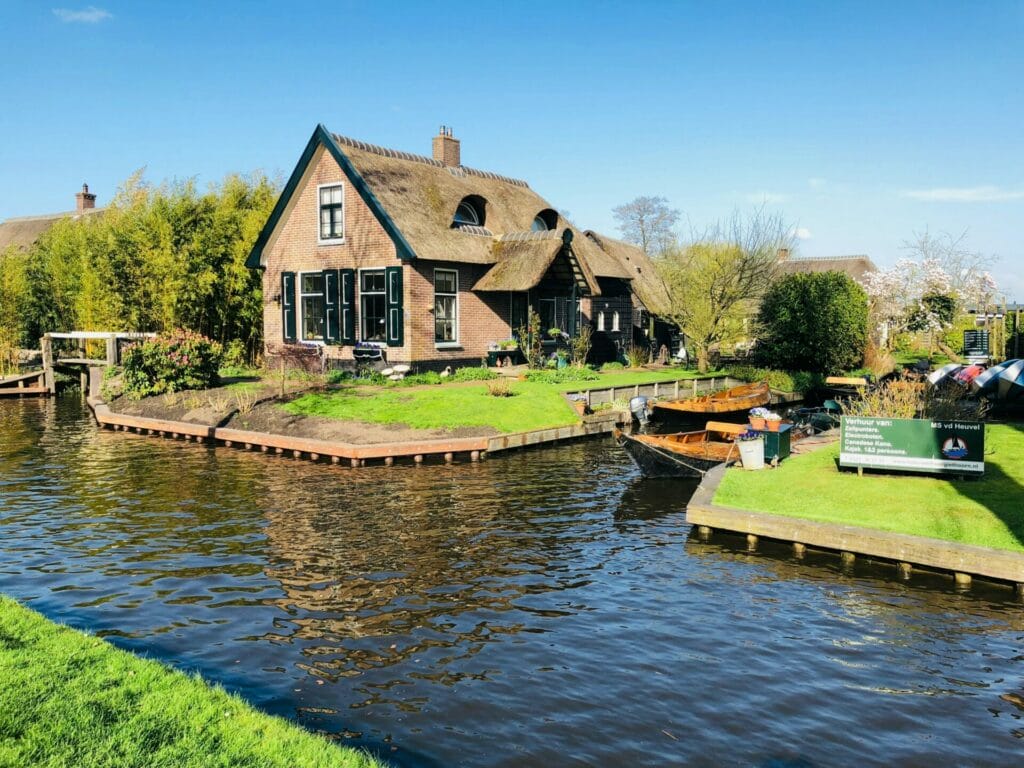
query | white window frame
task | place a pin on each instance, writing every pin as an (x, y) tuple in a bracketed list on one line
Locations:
[(301, 308), (600, 320), (455, 343), (359, 303), (615, 321), (320, 239)]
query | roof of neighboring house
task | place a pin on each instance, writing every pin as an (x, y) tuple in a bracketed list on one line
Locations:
[(22, 232), (643, 276), (854, 266), (415, 197)]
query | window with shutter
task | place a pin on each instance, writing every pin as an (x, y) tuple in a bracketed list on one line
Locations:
[(348, 306), (331, 314), (288, 325), (396, 310)]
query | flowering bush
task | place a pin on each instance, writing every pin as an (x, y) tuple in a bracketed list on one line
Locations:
[(170, 363)]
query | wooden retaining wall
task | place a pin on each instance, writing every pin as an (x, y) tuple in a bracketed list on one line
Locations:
[(904, 551), (472, 448), (668, 390)]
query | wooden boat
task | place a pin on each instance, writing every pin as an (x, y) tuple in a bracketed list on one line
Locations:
[(683, 454), (845, 387), (737, 399)]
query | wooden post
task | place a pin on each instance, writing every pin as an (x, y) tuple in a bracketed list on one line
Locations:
[(904, 570), (111, 350), (389, 461), (799, 550), (46, 344), (848, 559), (703, 532), (676, 390), (655, 389), (694, 387), (962, 580), (751, 542)]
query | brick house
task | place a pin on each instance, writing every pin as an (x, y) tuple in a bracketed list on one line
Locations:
[(376, 254)]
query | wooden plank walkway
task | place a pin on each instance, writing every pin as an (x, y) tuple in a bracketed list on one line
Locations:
[(24, 384), (905, 551)]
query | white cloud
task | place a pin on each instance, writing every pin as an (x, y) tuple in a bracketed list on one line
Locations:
[(760, 198), (90, 15), (802, 233), (982, 194)]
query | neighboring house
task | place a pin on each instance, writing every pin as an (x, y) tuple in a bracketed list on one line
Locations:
[(853, 266), (21, 233), (421, 260)]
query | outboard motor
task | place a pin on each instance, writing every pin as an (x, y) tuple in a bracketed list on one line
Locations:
[(640, 409)]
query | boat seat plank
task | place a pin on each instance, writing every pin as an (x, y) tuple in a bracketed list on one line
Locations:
[(724, 426)]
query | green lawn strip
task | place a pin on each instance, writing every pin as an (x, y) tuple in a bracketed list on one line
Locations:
[(986, 512), (445, 406), (70, 699)]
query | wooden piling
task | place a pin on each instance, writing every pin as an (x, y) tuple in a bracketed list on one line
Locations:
[(799, 550), (847, 559), (389, 461), (904, 570), (962, 580), (751, 542), (703, 532)]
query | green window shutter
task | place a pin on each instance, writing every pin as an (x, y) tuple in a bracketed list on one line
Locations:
[(396, 331), (288, 305), (348, 305), (331, 315)]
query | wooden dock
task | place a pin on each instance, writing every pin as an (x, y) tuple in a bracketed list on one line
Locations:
[(28, 384), (903, 551), (113, 341)]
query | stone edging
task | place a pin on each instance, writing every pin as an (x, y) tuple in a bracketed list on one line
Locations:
[(963, 560)]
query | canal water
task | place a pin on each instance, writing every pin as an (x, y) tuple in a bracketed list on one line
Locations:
[(543, 608)]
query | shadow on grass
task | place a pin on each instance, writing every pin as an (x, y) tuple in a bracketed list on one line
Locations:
[(1000, 493)]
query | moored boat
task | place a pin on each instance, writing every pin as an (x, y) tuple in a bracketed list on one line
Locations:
[(682, 454), (734, 400)]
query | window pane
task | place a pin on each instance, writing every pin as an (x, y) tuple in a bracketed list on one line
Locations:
[(325, 196), (444, 282), (337, 222), (336, 195), (372, 281), (374, 314), (313, 282), (312, 318)]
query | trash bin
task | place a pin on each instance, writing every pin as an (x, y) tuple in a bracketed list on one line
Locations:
[(752, 453)]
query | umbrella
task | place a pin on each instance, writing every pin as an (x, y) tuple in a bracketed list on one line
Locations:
[(1011, 381), (987, 379), (968, 374), (942, 373)]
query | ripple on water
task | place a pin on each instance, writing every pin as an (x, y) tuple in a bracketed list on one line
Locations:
[(539, 608)]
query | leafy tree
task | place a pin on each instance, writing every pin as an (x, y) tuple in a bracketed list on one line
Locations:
[(13, 290), (814, 322), (647, 222), (714, 283)]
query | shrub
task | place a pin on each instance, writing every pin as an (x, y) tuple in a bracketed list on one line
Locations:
[(417, 379), (637, 355), (170, 363), (563, 375), (814, 322), (500, 388), (613, 366), (784, 381), (473, 374)]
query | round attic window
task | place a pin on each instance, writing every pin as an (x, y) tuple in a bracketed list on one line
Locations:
[(466, 215), (544, 221)]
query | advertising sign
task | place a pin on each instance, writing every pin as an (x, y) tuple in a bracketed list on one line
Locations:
[(914, 445)]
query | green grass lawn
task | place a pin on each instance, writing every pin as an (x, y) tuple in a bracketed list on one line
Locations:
[(988, 512), (626, 378), (70, 699), (443, 406)]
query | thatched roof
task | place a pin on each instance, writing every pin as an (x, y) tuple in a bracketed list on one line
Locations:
[(643, 277), (525, 258), (22, 233), (415, 198), (854, 266)]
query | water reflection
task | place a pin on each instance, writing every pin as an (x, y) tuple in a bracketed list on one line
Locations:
[(543, 608)]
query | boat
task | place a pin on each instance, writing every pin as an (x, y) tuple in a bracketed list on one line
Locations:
[(845, 387), (683, 454), (734, 400)]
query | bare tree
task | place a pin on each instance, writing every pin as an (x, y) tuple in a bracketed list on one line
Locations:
[(648, 222), (715, 282)]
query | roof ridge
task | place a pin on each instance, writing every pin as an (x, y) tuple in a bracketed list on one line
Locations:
[(524, 235), (829, 258), (397, 154), (43, 216)]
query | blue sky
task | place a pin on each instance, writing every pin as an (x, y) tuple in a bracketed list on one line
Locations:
[(862, 122)]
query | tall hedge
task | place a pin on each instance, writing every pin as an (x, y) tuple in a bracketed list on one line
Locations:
[(813, 322)]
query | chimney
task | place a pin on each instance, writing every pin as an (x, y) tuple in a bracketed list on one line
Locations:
[(783, 254), (84, 199), (446, 148)]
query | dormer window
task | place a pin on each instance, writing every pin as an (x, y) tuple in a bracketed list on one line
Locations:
[(545, 221), (470, 212), (332, 213)]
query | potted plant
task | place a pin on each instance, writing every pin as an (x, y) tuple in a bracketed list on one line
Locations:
[(554, 333), (757, 418), (751, 445), (772, 422)]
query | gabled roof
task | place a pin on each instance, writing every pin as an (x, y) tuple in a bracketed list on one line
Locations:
[(853, 266), (524, 258), (22, 233), (414, 198), (639, 269)]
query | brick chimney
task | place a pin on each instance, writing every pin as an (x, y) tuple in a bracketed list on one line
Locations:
[(783, 254), (446, 148), (84, 199)]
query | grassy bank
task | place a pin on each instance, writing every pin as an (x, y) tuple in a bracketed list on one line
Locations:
[(986, 512), (69, 699)]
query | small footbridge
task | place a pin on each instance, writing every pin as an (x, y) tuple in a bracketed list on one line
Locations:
[(69, 352)]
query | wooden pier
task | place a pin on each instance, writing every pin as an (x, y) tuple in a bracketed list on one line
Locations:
[(112, 342), (24, 385)]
